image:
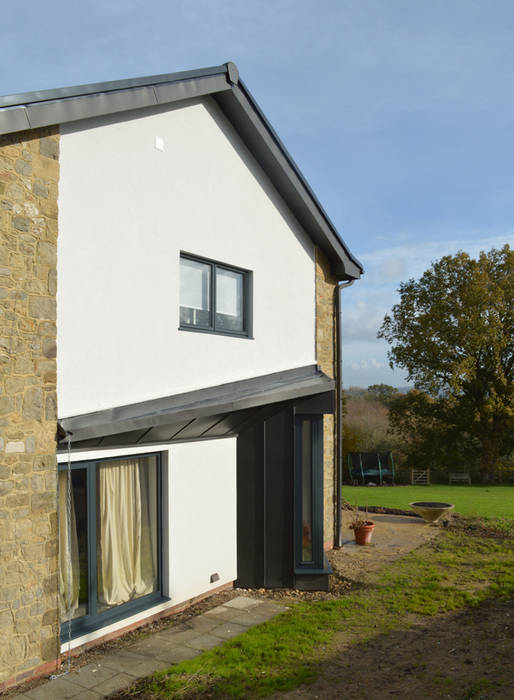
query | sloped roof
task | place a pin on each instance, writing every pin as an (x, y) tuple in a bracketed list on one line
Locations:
[(216, 411), (48, 107)]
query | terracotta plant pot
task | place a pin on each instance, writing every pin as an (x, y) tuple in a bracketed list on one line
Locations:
[(364, 532)]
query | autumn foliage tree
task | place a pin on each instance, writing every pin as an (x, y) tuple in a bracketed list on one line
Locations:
[(453, 332)]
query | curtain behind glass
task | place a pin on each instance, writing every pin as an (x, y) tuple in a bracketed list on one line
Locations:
[(69, 568), (229, 300), (306, 490), (195, 293), (126, 530)]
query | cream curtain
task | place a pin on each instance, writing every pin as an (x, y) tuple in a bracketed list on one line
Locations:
[(69, 568), (126, 530)]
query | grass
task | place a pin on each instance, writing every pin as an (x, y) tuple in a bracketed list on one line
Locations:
[(483, 501), (454, 572)]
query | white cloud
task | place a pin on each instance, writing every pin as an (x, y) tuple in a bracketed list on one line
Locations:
[(411, 259), (362, 320), (371, 363), (394, 267)]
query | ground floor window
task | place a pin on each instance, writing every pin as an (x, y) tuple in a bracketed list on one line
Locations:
[(109, 539), (309, 492)]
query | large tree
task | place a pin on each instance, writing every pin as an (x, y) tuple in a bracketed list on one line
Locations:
[(453, 333)]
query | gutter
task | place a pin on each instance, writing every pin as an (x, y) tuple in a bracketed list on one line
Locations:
[(339, 412)]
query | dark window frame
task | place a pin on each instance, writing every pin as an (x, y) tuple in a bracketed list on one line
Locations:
[(318, 554), (214, 265), (93, 620)]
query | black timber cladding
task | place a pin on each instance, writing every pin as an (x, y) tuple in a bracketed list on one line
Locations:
[(205, 413), (49, 107), (266, 500)]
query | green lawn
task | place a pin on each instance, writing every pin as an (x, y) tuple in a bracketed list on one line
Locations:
[(455, 572), (484, 501)]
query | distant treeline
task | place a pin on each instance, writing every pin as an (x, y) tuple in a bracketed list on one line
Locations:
[(382, 417)]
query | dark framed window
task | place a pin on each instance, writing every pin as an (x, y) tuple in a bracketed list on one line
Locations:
[(309, 555), (110, 540), (215, 297)]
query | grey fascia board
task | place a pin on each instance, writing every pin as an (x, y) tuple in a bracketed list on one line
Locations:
[(314, 218), (110, 86), (183, 90), (13, 119), (68, 109), (59, 111), (225, 398)]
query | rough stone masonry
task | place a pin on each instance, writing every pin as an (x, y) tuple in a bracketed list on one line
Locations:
[(29, 625), (326, 329)]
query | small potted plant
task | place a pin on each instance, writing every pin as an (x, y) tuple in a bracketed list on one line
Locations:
[(362, 527)]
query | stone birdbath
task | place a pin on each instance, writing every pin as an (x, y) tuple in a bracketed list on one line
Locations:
[(431, 511)]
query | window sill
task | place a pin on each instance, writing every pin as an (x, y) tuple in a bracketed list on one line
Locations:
[(190, 329), (313, 569), (81, 626)]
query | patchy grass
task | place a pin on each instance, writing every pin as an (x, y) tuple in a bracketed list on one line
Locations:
[(481, 501), (454, 572)]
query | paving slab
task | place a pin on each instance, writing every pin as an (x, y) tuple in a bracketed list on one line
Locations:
[(228, 630), (58, 689), (177, 638), (112, 684), (91, 675), (242, 603), (222, 613), (249, 618), (201, 623), (121, 660), (151, 646), (175, 655), (204, 642), (136, 665)]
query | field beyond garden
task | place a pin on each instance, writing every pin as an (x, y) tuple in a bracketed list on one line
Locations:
[(478, 500)]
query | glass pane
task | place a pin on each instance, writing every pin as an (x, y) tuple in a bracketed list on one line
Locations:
[(306, 467), (127, 511), (73, 545), (195, 293), (229, 300)]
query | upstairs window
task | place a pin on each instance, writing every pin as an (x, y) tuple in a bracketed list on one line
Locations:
[(214, 297)]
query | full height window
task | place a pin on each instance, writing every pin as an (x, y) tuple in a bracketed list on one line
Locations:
[(308, 493), (214, 297), (109, 539)]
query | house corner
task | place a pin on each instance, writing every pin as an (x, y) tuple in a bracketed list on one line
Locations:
[(29, 616)]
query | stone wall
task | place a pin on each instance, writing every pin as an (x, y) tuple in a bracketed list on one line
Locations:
[(29, 625), (326, 329)]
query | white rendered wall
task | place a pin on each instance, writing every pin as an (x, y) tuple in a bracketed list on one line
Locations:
[(126, 210), (202, 512), (199, 521)]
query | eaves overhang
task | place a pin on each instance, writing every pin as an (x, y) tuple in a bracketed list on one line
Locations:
[(216, 411), (63, 105)]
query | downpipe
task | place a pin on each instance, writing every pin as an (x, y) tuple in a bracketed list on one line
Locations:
[(339, 412)]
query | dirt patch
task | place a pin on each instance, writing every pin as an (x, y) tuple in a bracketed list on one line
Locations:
[(455, 656)]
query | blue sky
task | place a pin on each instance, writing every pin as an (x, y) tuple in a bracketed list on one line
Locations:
[(400, 113)]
